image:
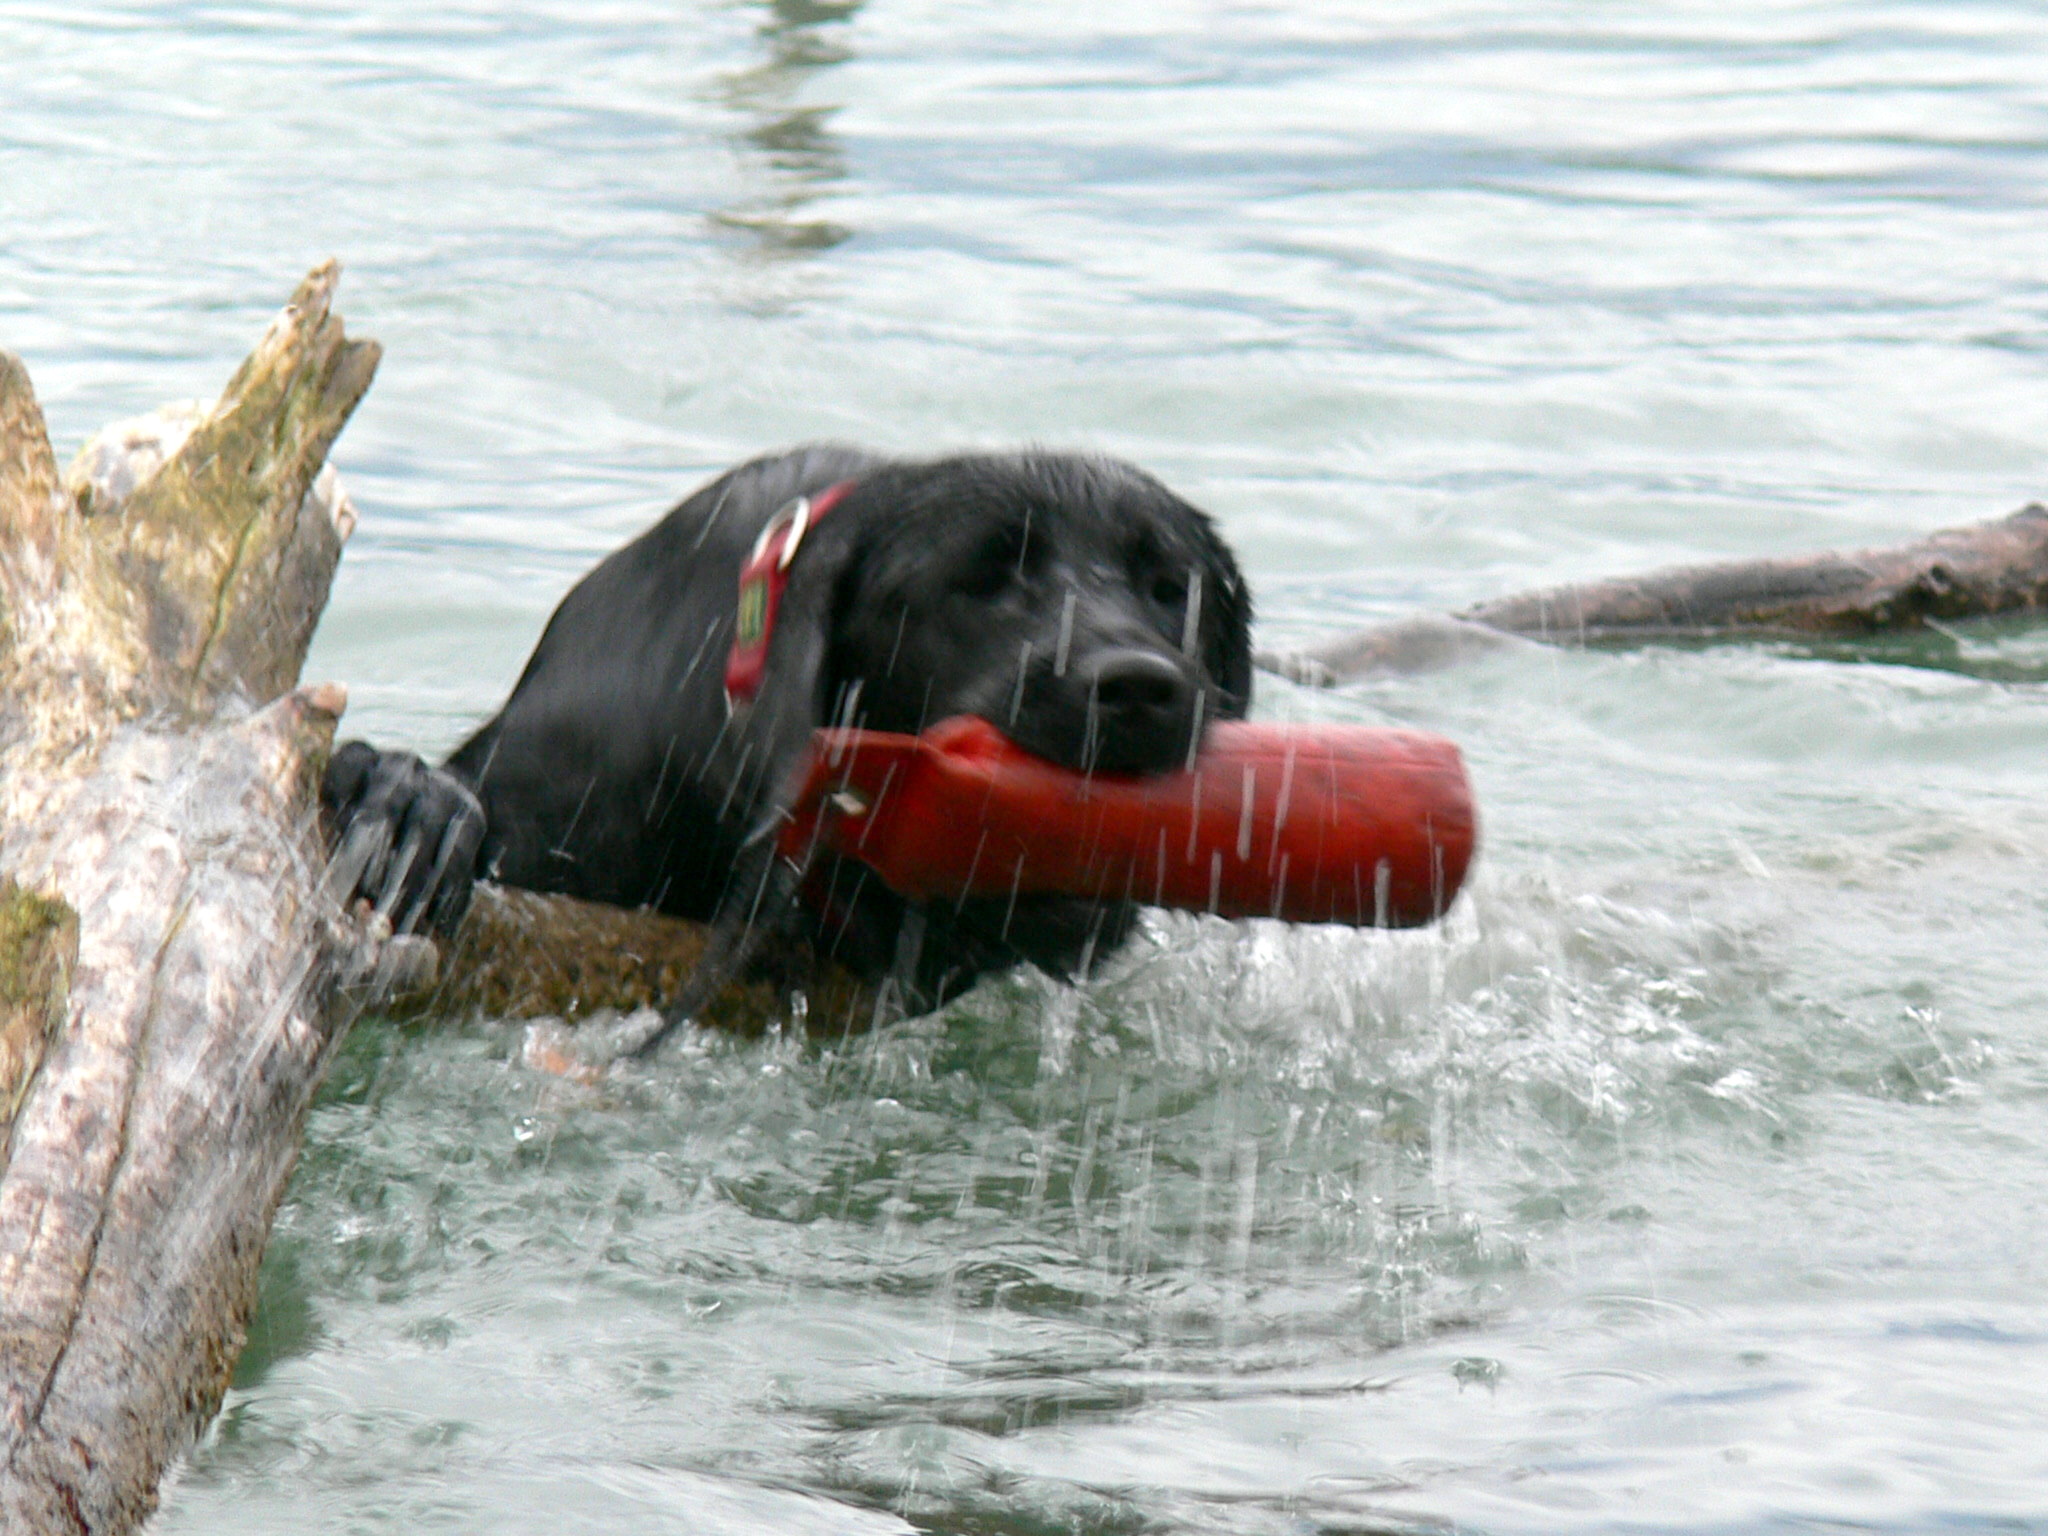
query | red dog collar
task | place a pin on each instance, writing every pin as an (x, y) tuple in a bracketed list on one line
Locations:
[(762, 578)]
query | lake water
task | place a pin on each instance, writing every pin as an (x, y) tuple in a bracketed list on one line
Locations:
[(1691, 1178)]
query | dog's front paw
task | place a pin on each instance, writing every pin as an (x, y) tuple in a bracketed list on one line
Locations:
[(406, 836)]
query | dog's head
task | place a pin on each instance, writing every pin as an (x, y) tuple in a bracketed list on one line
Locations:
[(1074, 602)]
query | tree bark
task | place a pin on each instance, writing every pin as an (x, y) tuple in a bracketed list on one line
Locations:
[(168, 960), (1999, 567)]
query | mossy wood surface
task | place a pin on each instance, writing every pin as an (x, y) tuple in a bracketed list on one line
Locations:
[(38, 948), (524, 956)]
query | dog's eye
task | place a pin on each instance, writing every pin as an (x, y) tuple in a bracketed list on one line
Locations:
[(997, 562), (1169, 591), (991, 570)]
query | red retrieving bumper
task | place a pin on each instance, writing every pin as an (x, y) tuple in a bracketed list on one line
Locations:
[(1311, 824)]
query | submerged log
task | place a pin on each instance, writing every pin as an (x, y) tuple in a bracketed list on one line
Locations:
[(1979, 571), (519, 955)]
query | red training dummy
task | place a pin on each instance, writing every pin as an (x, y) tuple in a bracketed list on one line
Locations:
[(1309, 823)]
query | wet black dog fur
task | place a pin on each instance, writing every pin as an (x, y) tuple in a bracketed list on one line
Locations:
[(1078, 604)]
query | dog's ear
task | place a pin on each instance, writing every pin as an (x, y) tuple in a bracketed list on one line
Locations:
[(1226, 627), (760, 757), (761, 754)]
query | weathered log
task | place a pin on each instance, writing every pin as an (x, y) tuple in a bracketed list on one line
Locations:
[(168, 958), (1985, 569), (175, 970)]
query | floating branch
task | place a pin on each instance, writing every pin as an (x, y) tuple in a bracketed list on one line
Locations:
[(1985, 569)]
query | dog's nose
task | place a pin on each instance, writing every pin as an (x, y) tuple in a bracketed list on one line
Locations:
[(1144, 708), (1139, 682)]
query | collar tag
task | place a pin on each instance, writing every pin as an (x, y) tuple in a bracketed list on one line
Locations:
[(763, 576)]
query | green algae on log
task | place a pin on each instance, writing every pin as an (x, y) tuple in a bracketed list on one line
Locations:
[(38, 947), (519, 955)]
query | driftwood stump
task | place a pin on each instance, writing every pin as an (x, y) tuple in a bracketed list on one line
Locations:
[(168, 960), (174, 970), (1986, 569)]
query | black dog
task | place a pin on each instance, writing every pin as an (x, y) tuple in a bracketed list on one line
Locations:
[(1074, 602)]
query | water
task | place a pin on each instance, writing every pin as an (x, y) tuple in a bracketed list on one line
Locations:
[(1688, 1180)]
